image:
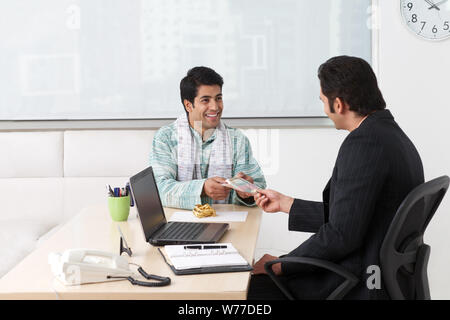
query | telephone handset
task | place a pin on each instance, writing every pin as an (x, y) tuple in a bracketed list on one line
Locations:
[(79, 266)]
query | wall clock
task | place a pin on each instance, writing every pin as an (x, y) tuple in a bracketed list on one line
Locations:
[(429, 19)]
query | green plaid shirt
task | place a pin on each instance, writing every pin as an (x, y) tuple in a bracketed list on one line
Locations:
[(187, 194)]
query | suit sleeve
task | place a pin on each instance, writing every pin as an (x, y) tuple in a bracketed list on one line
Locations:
[(306, 216), (361, 170)]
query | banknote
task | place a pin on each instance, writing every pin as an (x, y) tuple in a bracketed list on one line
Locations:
[(241, 185)]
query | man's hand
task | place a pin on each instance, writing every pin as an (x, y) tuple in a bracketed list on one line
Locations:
[(273, 201), (214, 189), (244, 195), (258, 267)]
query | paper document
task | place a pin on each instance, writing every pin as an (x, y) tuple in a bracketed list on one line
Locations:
[(221, 216), (182, 258)]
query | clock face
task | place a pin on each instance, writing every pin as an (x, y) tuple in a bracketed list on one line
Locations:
[(427, 18)]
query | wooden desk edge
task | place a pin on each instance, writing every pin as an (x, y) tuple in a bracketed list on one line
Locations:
[(132, 295)]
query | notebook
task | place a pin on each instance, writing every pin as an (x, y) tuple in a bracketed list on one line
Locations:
[(204, 258)]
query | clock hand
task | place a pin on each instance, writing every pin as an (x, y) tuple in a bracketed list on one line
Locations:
[(438, 4), (431, 3)]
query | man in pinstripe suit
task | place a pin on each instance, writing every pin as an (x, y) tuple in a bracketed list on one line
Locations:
[(376, 167)]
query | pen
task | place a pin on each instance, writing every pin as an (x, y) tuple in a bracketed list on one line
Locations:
[(110, 192), (215, 247), (206, 247), (129, 192)]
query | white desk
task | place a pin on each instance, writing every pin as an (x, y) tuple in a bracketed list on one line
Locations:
[(94, 229)]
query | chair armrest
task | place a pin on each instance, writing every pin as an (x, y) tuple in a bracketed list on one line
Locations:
[(350, 279)]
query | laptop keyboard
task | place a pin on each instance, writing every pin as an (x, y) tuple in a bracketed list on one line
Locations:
[(186, 230)]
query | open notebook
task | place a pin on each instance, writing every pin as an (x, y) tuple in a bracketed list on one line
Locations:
[(195, 259)]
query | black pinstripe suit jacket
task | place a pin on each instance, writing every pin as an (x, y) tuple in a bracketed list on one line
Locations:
[(377, 166)]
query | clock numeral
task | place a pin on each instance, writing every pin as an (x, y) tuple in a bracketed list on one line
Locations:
[(446, 26), (423, 25), (434, 30), (414, 18), (410, 5)]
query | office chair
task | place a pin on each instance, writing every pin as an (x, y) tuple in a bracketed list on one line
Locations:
[(403, 255)]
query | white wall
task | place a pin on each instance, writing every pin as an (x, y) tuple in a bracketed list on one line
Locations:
[(303, 162)]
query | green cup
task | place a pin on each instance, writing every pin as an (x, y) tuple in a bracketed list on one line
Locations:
[(119, 208)]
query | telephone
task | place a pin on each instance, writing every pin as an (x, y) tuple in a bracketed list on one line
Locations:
[(78, 266)]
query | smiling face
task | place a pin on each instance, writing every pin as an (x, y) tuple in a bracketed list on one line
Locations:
[(207, 107)]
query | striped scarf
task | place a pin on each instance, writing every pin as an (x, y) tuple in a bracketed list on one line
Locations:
[(189, 153)]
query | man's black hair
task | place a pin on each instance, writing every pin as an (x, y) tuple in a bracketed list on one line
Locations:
[(353, 80), (196, 77)]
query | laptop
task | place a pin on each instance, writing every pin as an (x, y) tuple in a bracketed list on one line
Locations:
[(157, 230)]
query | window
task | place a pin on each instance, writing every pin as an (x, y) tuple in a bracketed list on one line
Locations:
[(116, 59)]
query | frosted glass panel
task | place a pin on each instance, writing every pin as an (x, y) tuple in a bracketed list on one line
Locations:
[(124, 59)]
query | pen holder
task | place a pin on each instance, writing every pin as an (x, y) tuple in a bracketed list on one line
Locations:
[(119, 208)]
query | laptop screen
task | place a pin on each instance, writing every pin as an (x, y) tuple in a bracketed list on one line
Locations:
[(148, 203)]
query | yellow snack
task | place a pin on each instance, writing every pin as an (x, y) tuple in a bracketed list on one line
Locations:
[(203, 211)]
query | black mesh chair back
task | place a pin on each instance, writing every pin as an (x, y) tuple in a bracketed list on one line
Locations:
[(403, 255)]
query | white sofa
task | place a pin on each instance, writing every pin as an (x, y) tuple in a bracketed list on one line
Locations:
[(48, 177)]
